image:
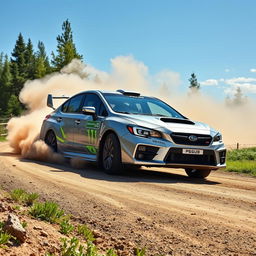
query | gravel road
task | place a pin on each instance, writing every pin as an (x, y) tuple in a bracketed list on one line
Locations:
[(161, 209)]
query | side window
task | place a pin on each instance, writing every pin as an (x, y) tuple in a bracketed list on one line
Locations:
[(75, 104), (92, 100), (64, 107), (102, 111)]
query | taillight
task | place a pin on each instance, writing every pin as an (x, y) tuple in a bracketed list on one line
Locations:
[(47, 117)]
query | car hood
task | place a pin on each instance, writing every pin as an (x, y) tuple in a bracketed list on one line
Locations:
[(170, 124)]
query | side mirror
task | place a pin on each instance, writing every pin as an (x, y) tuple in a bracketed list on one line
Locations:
[(89, 111)]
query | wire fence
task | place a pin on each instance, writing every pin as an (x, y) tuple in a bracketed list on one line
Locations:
[(239, 146), (3, 126)]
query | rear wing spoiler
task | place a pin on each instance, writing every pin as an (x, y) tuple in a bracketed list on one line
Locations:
[(50, 100)]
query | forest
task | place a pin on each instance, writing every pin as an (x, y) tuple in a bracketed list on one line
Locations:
[(27, 63)]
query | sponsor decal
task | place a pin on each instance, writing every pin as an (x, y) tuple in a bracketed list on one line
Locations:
[(64, 136), (92, 135), (93, 125), (92, 149)]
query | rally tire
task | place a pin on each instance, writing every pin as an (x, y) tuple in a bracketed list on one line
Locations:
[(196, 173), (51, 140), (111, 155)]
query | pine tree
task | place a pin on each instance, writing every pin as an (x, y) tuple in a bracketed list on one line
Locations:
[(18, 65), (194, 85), (5, 85), (29, 60), (237, 100), (1, 62), (65, 48), (42, 66)]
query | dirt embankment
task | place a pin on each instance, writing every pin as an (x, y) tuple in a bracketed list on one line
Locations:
[(161, 209)]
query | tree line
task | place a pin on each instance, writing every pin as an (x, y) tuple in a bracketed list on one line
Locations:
[(27, 63)]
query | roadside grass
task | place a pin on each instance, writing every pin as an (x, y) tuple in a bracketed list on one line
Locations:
[(4, 236), (2, 138), (242, 161), (48, 211), (79, 240), (21, 196)]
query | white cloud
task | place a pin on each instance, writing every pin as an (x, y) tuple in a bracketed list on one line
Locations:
[(227, 70), (209, 82), (247, 84), (253, 70)]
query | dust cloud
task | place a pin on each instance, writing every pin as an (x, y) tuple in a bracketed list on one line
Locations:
[(236, 124)]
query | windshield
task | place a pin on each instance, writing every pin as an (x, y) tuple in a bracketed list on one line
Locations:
[(140, 106)]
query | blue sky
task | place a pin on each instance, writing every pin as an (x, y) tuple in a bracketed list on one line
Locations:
[(215, 39)]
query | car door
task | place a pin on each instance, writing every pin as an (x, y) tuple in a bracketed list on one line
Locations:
[(87, 131), (67, 123)]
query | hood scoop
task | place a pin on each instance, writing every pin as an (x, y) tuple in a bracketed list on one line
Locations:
[(176, 120)]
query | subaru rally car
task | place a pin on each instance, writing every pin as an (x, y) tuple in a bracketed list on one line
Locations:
[(122, 128)]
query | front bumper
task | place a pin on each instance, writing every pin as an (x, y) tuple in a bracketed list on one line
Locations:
[(161, 152)]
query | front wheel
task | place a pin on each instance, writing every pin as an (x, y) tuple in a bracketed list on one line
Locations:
[(196, 173), (111, 155)]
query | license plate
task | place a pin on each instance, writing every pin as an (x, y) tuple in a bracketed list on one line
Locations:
[(192, 151)]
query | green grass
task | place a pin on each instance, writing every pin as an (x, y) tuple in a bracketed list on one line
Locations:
[(85, 232), (48, 211), (242, 154), (2, 139), (21, 196), (244, 166), (4, 237), (242, 161), (66, 227)]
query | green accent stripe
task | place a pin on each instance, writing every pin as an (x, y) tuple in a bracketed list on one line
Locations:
[(92, 149), (60, 139), (63, 133)]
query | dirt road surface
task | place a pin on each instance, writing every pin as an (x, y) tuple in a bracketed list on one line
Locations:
[(161, 209)]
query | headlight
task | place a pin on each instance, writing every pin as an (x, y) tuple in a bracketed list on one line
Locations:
[(143, 132), (217, 137)]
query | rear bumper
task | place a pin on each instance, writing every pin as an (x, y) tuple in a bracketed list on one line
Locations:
[(165, 153)]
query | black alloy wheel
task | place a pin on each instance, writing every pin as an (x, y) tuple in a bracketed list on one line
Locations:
[(111, 155), (51, 141)]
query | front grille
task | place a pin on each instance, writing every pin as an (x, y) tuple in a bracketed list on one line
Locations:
[(175, 156), (183, 139)]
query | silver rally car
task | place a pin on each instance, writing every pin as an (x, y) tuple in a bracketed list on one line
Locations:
[(122, 128)]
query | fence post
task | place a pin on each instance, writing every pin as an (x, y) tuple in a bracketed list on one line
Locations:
[(237, 145)]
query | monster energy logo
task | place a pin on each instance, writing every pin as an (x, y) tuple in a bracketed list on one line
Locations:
[(93, 125), (92, 135)]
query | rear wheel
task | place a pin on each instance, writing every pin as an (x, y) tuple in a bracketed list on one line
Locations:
[(111, 155), (196, 173), (51, 141)]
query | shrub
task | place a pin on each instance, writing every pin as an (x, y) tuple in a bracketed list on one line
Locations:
[(20, 195), (4, 237), (66, 227), (48, 211), (85, 232), (30, 198)]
